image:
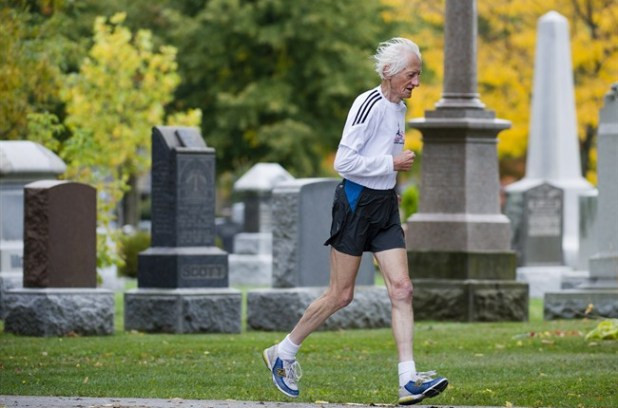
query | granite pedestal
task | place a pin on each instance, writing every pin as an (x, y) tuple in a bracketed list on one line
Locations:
[(183, 310), (470, 300), (59, 311), (252, 262), (371, 308)]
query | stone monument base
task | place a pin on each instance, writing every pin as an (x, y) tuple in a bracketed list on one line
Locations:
[(196, 310), (470, 300), (250, 269), (572, 304), (461, 265), (9, 280), (59, 311), (371, 308), (542, 279), (253, 243)]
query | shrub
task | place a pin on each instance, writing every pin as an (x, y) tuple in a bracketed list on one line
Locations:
[(409, 201), (129, 247)]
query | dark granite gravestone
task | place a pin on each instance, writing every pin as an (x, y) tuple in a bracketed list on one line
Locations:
[(541, 237), (182, 277), (60, 235), (59, 294), (183, 254)]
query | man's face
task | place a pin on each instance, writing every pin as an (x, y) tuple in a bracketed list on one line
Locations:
[(402, 83)]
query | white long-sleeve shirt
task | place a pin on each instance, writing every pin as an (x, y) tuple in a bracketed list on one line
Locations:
[(373, 134)]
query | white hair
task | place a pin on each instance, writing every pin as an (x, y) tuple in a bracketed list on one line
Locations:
[(390, 57)]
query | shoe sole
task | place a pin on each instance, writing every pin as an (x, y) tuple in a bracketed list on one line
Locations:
[(270, 369), (428, 393)]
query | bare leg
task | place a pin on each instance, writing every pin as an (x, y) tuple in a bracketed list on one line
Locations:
[(343, 270), (394, 267)]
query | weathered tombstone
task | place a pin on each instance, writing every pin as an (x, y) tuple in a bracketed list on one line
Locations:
[(21, 162), (459, 242), (302, 217), (538, 239), (602, 291), (59, 295), (251, 263), (301, 264), (553, 149), (255, 187), (182, 277)]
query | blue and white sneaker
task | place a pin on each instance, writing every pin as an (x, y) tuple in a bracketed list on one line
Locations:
[(285, 373), (423, 386)]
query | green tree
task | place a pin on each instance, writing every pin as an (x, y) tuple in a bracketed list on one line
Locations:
[(275, 78), (113, 101), (29, 76), (507, 35)]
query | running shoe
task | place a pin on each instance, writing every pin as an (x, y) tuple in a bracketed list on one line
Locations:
[(423, 386), (285, 373)]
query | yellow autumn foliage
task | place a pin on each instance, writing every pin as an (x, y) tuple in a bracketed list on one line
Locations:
[(506, 46)]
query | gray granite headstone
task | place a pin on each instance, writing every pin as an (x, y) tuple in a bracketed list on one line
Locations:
[(459, 235), (59, 295), (302, 218), (541, 238), (21, 162), (183, 277), (251, 264), (602, 291)]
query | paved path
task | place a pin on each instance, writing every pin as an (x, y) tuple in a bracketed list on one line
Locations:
[(86, 402)]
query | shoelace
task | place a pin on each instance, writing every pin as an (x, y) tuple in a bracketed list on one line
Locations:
[(423, 376), (293, 372)]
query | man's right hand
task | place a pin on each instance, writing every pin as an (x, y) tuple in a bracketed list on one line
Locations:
[(403, 161)]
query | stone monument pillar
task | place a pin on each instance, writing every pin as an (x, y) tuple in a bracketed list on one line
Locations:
[(21, 162), (182, 277), (301, 264), (251, 263), (459, 250), (59, 294), (602, 291), (553, 148)]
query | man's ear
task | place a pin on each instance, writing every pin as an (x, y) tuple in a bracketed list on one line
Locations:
[(385, 70)]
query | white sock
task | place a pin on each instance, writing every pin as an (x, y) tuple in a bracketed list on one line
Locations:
[(407, 371), (287, 349)]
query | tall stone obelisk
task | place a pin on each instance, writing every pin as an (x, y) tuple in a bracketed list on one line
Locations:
[(553, 146), (459, 242)]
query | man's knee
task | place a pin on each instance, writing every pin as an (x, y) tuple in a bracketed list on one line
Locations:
[(402, 290), (342, 298)]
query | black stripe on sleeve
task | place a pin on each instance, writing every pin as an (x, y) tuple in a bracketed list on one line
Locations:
[(361, 110), (368, 110)]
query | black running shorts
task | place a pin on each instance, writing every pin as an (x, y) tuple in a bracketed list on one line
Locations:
[(365, 220)]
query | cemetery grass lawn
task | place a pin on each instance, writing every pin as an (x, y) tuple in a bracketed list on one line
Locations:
[(535, 363)]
